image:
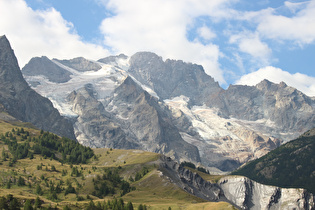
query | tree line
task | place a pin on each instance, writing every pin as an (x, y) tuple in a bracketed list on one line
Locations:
[(46, 144)]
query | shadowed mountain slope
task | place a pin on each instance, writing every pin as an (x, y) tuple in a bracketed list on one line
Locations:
[(22, 102)]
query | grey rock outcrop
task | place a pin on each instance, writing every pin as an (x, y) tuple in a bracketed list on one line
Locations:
[(44, 66), (23, 103), (289, 109), (173, 78), (189, 181), (247, 194), (94, 125), (143, 119)]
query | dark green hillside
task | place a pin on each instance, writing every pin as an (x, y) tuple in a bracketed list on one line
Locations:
[(290, 165), (21, 145)]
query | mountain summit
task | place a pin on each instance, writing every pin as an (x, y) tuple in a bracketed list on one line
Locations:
[(173, 77), (22, 102)]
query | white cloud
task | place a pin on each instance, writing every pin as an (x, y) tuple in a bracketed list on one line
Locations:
[(302, 82), (295, 6), (206, 33), (36, 33), (251, 44), (299, 28), (161, 26)]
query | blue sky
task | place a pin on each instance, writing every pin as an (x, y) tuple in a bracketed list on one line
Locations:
[(236, 41)]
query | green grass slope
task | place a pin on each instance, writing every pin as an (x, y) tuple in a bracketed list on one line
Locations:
[(40, 168), (290, 165)]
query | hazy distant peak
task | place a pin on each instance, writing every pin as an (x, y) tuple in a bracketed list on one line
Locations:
[(80, 64), (112, 58), (45, 67)]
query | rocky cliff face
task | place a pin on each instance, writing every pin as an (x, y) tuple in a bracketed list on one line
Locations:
[(143, 119), (23, 103), (247, 194), (284, 106), (173, 78), (189, 181), (94, 127), (223, 143)]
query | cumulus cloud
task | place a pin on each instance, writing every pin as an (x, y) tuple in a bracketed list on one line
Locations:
[(250, 43), (206, 33), (36, 33), (258, 53), (300, 28), (161, 26), (302, 82)]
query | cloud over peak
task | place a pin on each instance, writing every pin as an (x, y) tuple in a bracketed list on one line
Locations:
[(302, 82), (161, 27)]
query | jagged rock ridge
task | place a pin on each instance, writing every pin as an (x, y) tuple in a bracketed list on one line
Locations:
[(142, 117), (22, 102), (172, 78), (289, 109)]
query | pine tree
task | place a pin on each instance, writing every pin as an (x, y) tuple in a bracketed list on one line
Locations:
[(39, 190), (91, 206), (129, 206), (28, 205), (4, 155), (21, 181), (8, 184), (3, 203), (140, 207), (38, 203), (66, 208)]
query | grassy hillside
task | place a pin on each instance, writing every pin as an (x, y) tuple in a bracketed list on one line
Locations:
[(44, 169), (290, 165)]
